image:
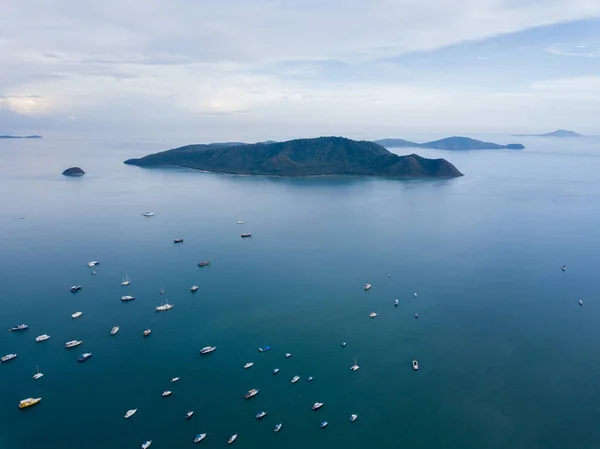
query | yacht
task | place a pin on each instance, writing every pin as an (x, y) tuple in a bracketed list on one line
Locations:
[(367, 287), (161, 291), (355, 366), (37, 375), (276, 370), (353, 417), (246, 235), (207, 349), (83, 357), (344, 344), (564, 268), (175, 379), (76, 315), (204, 263), (114, 330), (43, 337), (240, 221), (232, 438), (261, 415), (264, 348), (75, 288), (126, 281), (189, 414), (277, 427), (415, 365), (7, 357), (127, 298), (249, 365), (73, 343), (310, 379), (580, 302), (415, 294), (163, 307), (177, 240), (416, 316), (287, 355), (372, 315), (396, 303), (166, 393), (92, 263), (323, 424), (251, 393), (130, 413), (19, 327), (194, 288), (147, 332), (295, 379), (317, 405), (148, 214), (29, 402), (147, 444), (199, 437)]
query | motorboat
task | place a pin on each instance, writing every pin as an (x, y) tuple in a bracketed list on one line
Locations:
[(130, 413), (161, 291), (19, 327), (92, 263), (189, 414), (415, 365), (310, 379), (295, 379), (76, 315), (249, 365), (42, 337), (232, 438), (564, 268), (580, 302), (317, 405), (240, 221), (127, 298), (396, 303), (177, 240), (29, 402), (355, 366), (353, 417), (93, 272), (114, 330), (199, 437), (147, 332), (37, 375), (323, 424), (287, 355), (251, 393), (83, 357), (7, 357), (367, 287), (75, 288), (194, 288), (207, 349), (264, 348), (73, 343), (275, 371), (204, 263), (246, 235), (416, 316), (261, 415), (148, 214), (277, 427), (166, 393), (147, 444), (164, 307), (372, 315), (415, 294), (175, 379), (126, 281), (344, 344)]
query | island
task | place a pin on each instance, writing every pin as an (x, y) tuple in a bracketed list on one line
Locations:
[(34, 136), (73, 171), (557, 133), (320, 156), (449, 143)]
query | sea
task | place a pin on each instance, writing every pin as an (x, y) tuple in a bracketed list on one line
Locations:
[(508, 357)]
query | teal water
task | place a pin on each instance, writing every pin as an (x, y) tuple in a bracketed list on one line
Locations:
[(508, 359)]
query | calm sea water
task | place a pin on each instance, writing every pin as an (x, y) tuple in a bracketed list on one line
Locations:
[(508, 358)]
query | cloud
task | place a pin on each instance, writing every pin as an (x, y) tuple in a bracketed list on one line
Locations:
[(587, 50)]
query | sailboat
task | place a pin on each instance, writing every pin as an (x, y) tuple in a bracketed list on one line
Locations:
[(37, 375), (126, 281), (355, 366), (162, 290)]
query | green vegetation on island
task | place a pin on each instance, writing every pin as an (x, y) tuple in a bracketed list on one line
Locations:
[(449, 143)]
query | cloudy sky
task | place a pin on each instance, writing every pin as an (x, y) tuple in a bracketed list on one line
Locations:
[(258, 69)]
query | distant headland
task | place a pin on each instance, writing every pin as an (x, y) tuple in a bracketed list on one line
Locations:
[(73, 171), (557, 133), (449, 143), (34, 136), (320, 156)]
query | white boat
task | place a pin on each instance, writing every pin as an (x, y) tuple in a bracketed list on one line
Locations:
[(563, 267), (37, 375), (42, 337), (580, 302), (130, 413), (147, 332), (277, 427), (355, 366), (166, 393), (240, 221), (194, 288), (249, 365), (92, 263), (232, 438), (189, 414), (76, 315), (175, 379), (287, 355), (207, 349), (148, 214), (295, 379), (126, 280), (372, 315), (164, 307), (7, 357), (353, 417), (73, 343), (114, 330), (317, 405), (162, 290), (367, 287), (94, 273), (127, 298), (199, 437), (415, 365), (415, 294), (147, 444), (396, 303)]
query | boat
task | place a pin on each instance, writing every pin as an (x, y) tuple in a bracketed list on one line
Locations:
[(189, 414), (287, 355), (127, 298), (175, 379), (126, 280), (199, 437), (317, 405), (161, 291), (147, 332), (42, 337), (204, 263), (83, 357), (564, 268), (416, 316), (310, 379), (415, 294), (251, 393), (76, 315), (372, 315), (295, 379), (261, 415), (19, 327), (148, 214), (73, 343), (130, 413), (276, 370), (75, 288), (37, 375), (114, 330), (177, 240), (277, 427), (147, 444), (92, 263), (246, 235), (396, 303), (29, 402), (164, 307), (580, 302), (166, 393), (7, 357), (323, 424), (207, 349), (194, 288), (232, 438), (367, 287), (94, 273), (249, 365), (355, 366), (240, 221), (264, 348), (353, 417), (415, 365), (344, 344)]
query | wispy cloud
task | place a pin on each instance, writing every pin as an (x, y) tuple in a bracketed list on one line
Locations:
[(586, 50)]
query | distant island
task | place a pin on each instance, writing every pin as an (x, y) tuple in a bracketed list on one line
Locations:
[(34, 136), (449, 143), (301, 157), (557, 133), (73, 171)]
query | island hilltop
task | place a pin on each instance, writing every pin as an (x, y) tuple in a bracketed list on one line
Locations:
[(302, 157), (557, 133)]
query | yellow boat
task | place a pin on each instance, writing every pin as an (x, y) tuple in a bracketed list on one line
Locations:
[(29, 402)]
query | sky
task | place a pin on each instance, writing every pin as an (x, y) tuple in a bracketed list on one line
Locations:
[(252, 70)]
